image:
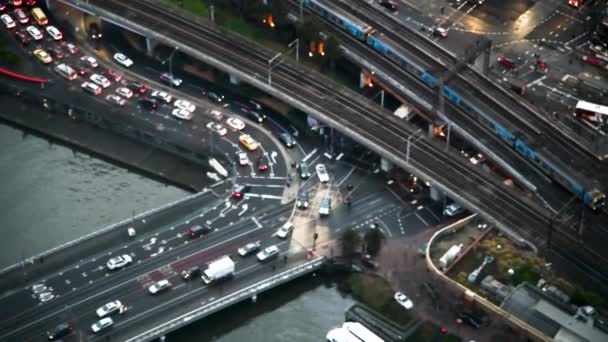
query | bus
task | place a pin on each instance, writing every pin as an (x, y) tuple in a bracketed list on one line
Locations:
[(39, 16), (591, 112), (361, 332)]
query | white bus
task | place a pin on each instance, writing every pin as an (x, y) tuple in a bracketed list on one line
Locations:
[(591, 112), (361, 332)]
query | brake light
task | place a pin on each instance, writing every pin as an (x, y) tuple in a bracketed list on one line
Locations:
[(70, 328), (193, 234)]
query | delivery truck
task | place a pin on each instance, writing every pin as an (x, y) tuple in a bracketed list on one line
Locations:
[(218, 269)]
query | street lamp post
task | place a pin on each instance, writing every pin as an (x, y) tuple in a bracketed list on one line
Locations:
[(297, 43), (407, 154), (270, 66), (170, 59)]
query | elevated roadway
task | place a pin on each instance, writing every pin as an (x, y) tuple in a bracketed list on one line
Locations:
[(343, 109)]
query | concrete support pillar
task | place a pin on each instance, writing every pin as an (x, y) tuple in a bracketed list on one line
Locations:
[(431, 130), (435, 194), (150, 45), (234, 80), (385, 165), (363, 79)]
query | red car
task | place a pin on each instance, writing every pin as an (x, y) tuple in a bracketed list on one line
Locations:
[(262, 164), (507, 63), (30, 2), (592, 60), (16, 2), (2, 6), (83, 69), (21, 16), (113, 75), (23, 38), (72, 49)]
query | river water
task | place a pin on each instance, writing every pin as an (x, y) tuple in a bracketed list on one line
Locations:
[(51, 195)]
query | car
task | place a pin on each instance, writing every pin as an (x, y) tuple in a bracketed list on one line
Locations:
[(440, 31), (60, 331), (149, 103), (369, 262), (109, 309), (322, 173), (304, 170), (16, 2), (236, 124), (216, 114), (91, 87), (171, 80), (23, 38), (72, 48), (2, 5), (83, 69), (249, 248), (57, 51), (255, 105), (182, 114), (162, 95), (403, 300), (453, 209), (159, 286), (302, 202), (285, 229), (43, 56), (477, 159), (66, 71), (325, 206), (119, 262), (21, 16), (217, 128), (470, 320), (239, 190), (54, 32), (255, 116), (90, 61), (506, 62), (185, 105), (94, 31), (114, 75), (137, 87), (411, 184), (124, 92), (100, 80), (123, 60), (191, 273), (592, 60), (34, 32), (268, 253), (249, 143), (215, 97), (102, 324), (263, 164), (389, 5), (116, 100), (243, 159), (8, 21), (598, 49), (199, 230), (287, 139)]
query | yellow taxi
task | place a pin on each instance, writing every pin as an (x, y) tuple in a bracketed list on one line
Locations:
[(43, 56), (248, 142)]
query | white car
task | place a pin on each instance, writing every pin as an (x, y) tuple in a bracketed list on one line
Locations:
[(34, 32), (8, 21), (162, 95), (124, 92), (185, 105), (116, 100), (182, 114), (109, 309), (403, 300), (159, 286), (119, 262), (100, 80), (216, 114), (218, 128), (268, 253), (322, 173), (54, 32), (477, 159), (243, 159), (236, 124), (123, 60), (285, 230), (102, 324), (90, 61), (91, 88)]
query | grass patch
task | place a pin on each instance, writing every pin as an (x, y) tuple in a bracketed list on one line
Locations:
[(428, 331), (198, 7), (376, 293)]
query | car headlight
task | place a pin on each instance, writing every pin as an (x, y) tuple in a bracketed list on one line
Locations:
[(305, 204), (299, 203)]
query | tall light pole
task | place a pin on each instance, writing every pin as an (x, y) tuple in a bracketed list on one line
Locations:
[(297, 43), (414, 135), (270, 66), (301, 11), (170, 59)]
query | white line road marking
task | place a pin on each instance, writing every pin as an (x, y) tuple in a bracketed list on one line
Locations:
[(263, 196), (308, 156), (346, 177), (266, 185), (245, 207), (257, 223), (421, 219), (274, 155), (535, 82)]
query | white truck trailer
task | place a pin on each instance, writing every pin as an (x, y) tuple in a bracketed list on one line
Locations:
[(218, 269)]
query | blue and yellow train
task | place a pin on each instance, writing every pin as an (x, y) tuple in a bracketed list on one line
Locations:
[(581, 187)]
